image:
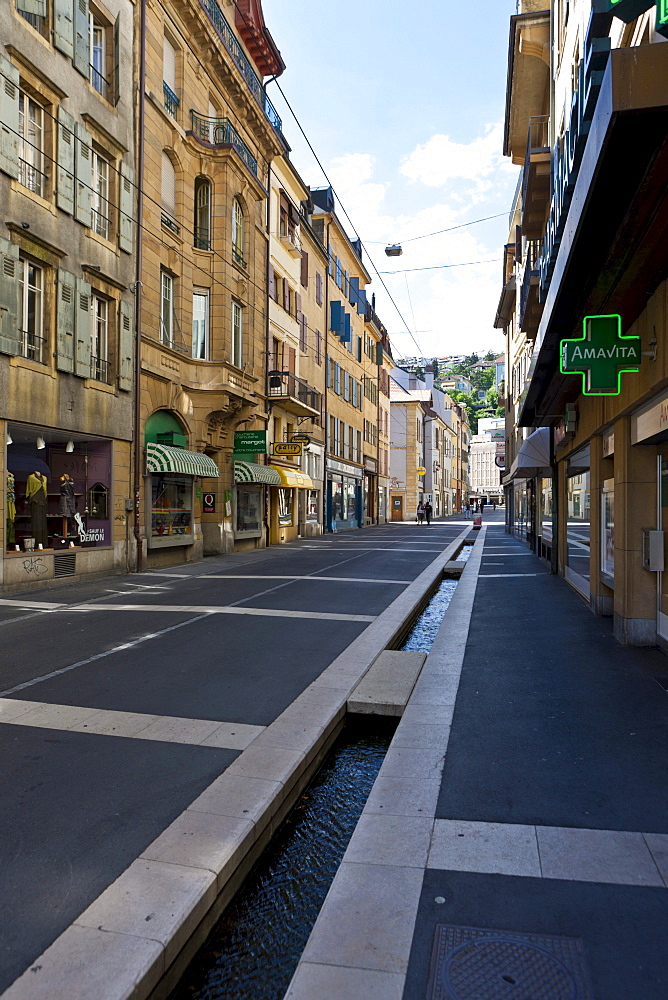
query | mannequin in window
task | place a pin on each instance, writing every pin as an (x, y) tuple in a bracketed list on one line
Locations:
[(11, 508), (67, 503), (36, 497)]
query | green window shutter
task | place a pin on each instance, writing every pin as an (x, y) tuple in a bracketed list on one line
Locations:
[(84, 175), (116, 81), (67, 293), (127, 207), (9, 118), (125, 345), (37, 7), (65, 175), (63, 35), (83, 338), (9, 297), (81, 57)]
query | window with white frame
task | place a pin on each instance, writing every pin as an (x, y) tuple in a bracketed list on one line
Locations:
[(99, 363), (31, 145), (98, 54), (238, 233), (100, 218), (237, 334), (166, 309), (31, 310), (201, 324)]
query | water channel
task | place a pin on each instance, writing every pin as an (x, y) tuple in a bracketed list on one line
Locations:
[(253, 951)]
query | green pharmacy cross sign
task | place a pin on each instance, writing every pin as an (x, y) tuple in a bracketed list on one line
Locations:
[(629, 10), (601, 355)]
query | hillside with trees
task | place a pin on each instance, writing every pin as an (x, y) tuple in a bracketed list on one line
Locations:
[(483, 379)]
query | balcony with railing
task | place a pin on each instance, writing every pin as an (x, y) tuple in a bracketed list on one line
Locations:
[(32, 178), (530, 307), (220, 133), (295, 395), (32, 346), (241, 61), (170, 99), (536, 177)]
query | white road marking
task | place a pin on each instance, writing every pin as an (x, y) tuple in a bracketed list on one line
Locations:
[(497, 576), (277, 576), (131, 725), (200, 609)]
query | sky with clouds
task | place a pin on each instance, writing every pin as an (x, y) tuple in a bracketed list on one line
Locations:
[(403, 103)]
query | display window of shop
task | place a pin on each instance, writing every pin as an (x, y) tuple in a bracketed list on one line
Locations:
[(171, 508), (58, 490), (578, 520), (249, 511), (337, 500), (608, 532), (521, 509), (285, 508), (312, 505), (546, 509), (351, 497)]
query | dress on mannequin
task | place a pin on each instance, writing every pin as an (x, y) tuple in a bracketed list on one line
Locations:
[(36, 497), (11, 508)]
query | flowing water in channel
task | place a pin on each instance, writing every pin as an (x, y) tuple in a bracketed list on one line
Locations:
[(254, 949)]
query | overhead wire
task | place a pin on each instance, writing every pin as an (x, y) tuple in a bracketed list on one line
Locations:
[(439, 232)]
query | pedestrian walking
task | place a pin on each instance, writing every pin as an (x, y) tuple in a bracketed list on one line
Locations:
[(428, 510), (420, 513), (467, 511), (493, 504)]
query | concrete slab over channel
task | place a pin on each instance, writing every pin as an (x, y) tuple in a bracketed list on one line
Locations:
[(387, 684), (217, 839)]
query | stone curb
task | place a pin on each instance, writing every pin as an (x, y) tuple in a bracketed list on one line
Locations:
[(136, 939)]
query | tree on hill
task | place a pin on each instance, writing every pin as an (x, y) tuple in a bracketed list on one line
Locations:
[(434, 368)]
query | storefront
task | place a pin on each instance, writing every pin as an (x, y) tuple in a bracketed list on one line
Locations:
[(59, 505), (174, 516), (370, 490), (285, 503), (344, 496), (250, 502)]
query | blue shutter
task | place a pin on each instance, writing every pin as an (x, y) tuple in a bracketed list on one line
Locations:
[(354, 290), (337, 378), (336, 320), (346, 335), (328, 372), (361, 301), (330, 260)]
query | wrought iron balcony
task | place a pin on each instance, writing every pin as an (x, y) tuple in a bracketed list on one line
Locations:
[(32, 178), (241, 61), (530, 308), (220, 132), (99, 370), (171, 100), (295, 395)]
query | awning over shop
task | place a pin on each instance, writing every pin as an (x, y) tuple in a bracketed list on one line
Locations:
[(249, 472), (533, 458), (163, 458), (293, 477)]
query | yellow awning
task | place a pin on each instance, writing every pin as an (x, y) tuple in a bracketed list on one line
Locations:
[(293, 477)]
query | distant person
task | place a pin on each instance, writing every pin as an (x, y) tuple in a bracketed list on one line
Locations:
[(467, 511), (493, 504), (419, 517), (428, 510)]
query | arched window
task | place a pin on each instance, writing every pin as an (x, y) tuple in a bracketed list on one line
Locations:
[(238, 233), (202, 214), (168, 193)]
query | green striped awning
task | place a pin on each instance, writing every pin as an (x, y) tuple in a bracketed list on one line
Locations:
[(163, 458), (249, 472)]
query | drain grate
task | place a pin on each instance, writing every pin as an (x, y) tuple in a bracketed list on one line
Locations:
[(471, 963), (65, 565)]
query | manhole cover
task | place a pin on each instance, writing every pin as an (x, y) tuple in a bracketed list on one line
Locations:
[(471, 963)]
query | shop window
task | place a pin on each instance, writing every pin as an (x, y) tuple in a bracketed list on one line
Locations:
[(31, 145), (237, 334), (578, 526), (31, 310), (284, 506), (100, 202), (171, 508), (166, 309), (248, 521), (238, 233), (98, 502), (608, 532), (202, 214), (312, 505), (200, 339)]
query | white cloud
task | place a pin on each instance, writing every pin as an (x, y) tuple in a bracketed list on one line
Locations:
[(441, 160)]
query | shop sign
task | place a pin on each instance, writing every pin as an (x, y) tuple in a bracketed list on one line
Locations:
[(370, 464), (94, 535), (608, 444), (629, 10), (209, 503), (301, 438), (650, 421), (601, 355), (421, 471), (291, 448), (251, 442)]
